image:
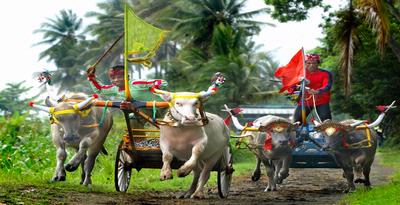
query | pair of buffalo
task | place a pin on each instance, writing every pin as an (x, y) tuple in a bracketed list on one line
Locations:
[(185, 136), (272, 139)]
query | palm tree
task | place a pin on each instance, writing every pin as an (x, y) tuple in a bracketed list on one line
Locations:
[(109, 26), (197, 19), (59, 33), (249, 71), (66, 45), (12, 97), (376, 14)]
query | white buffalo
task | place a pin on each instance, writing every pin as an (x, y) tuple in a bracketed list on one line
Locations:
[(187, 136), (77, 125)]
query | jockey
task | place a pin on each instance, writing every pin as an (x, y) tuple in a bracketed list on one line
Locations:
[(317, 90), (138, 88)]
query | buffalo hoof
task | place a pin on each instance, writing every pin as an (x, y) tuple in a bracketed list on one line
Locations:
[(185, 195), (255, 178), (180, 196), (349, 189), (87, 182), (359, 180), (198, 195), (268, 189), (183, 172), (90, 188), (279, 180), (71, 168), (58, 178), (367, 183), (166, 174), (165, 177)]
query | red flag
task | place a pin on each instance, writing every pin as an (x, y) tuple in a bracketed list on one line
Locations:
[(292, 73)]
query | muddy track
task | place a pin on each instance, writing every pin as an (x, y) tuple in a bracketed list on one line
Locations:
[(303, 186)]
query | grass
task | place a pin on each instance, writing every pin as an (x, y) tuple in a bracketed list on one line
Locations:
[(27, 162), (26, 179), (384, 194), (103, 176)]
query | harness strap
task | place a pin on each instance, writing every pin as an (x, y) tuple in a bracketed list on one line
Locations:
[(251, 147), (360, 144), (92, 125), (84, 113), (103, 114), (241, 138), (204, 118), (173, 121), (154, 111), (175, 96), (367, 132)]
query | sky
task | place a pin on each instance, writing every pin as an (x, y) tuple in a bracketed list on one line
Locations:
[(18, 19)]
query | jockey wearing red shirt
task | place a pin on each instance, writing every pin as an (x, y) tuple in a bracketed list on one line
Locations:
[(317, 90)]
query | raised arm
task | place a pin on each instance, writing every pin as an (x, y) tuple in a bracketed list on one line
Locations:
[(99, 88)]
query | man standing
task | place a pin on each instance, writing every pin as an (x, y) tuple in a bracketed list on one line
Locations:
[(318, 86)]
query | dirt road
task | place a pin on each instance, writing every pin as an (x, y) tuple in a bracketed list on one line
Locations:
[(303, 186)]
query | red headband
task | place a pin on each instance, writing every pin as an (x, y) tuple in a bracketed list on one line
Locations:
[(313, 57), (113, 72)]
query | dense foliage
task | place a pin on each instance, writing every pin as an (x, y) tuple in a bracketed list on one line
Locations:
[(293, 10), (374, 77), (24, 145), (13, 97)]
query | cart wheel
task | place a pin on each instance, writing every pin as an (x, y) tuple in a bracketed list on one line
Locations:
[(122, 172), (225, 174)]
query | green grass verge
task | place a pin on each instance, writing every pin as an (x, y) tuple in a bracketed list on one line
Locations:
[(19, 176), (384, 194)]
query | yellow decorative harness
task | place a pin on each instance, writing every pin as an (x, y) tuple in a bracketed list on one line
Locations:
[(367, 132), (82, 113), (175, 96)]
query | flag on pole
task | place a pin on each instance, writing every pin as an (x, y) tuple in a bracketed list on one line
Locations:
[(142, 39), (141, 42), (293, 72)]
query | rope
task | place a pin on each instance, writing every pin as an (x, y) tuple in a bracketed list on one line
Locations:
[(103, 115), (315, 108), (253, 148)]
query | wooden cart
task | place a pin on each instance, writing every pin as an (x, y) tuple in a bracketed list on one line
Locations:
[(138, 151)]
